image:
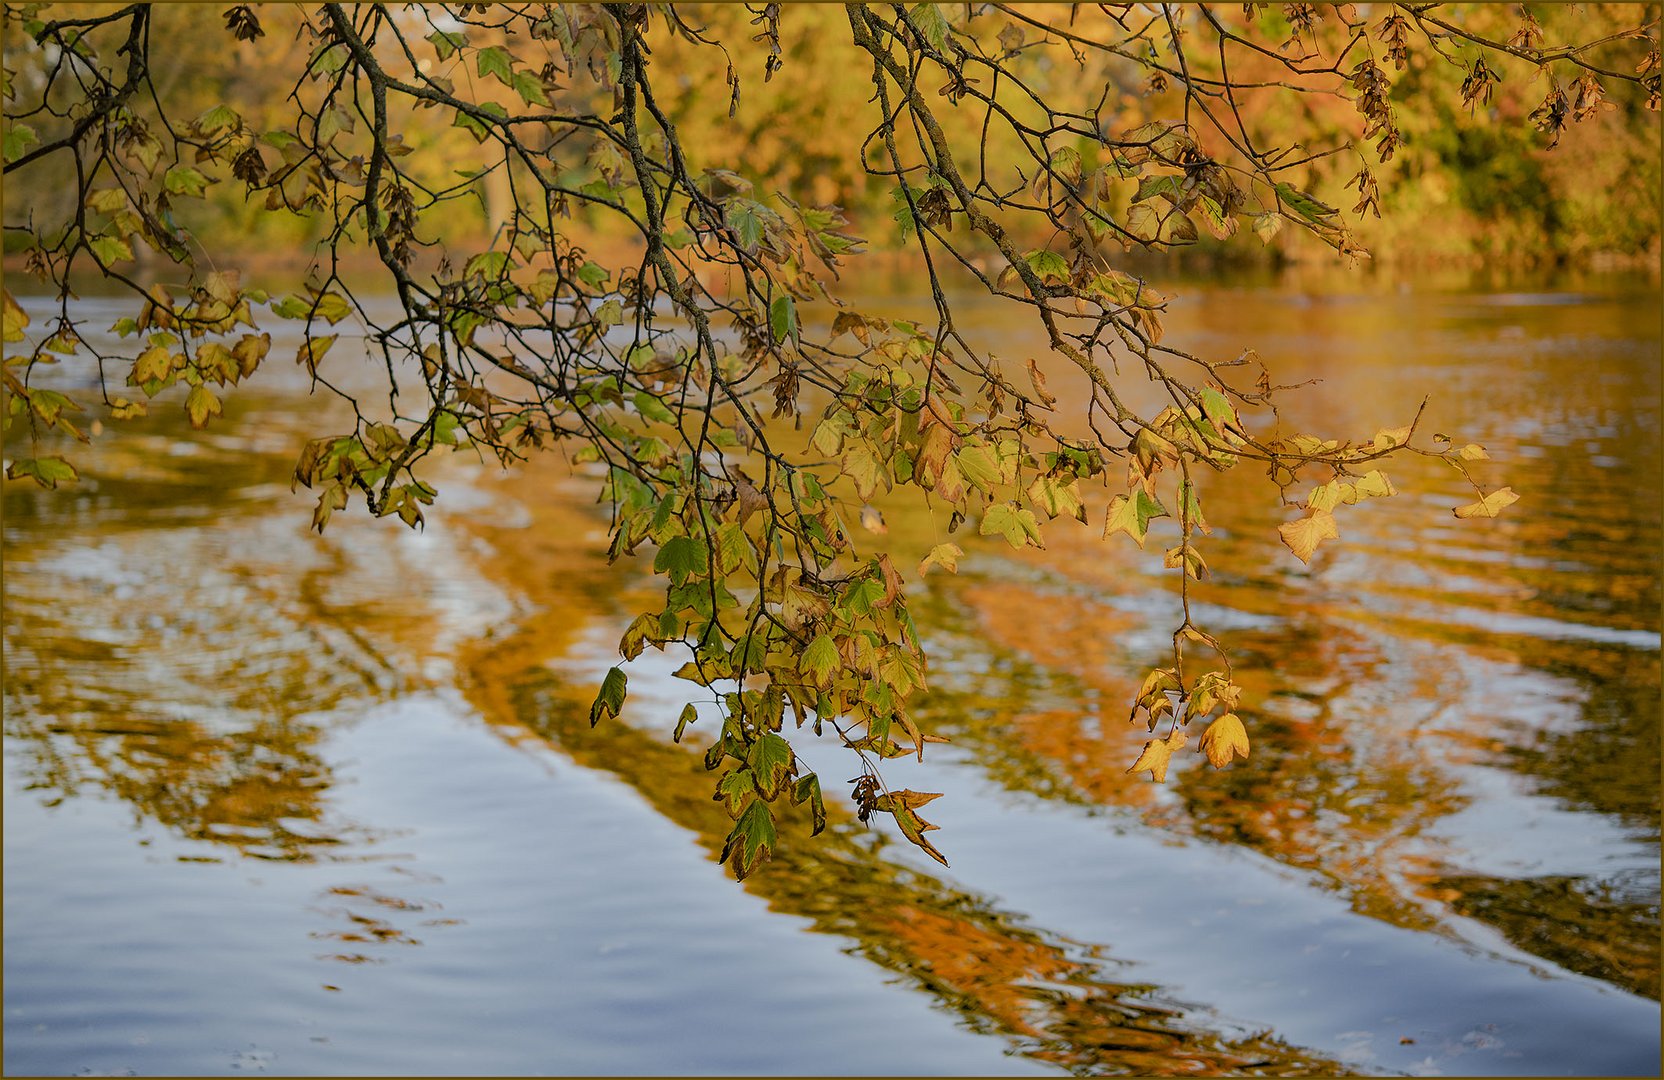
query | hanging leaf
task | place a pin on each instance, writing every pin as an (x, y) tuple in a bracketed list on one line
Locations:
[(1224, 739), (1304, 534), (1490, 506)]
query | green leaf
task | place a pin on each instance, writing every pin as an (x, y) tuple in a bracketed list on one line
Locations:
[(1058, 497), (184, 180), (753, 838), (932, 24), (747, 225), (807, 789), (679, 557), (1017, 525), (1047, 265), (19, 137), (530, 88), (445, 43), (819, 661), (109, 250), (1131, 514), (782, 318), (48, 472), (1303, 204), (610, 701), (496, 62), (689, 715), (735, 789), (217, 118), (771, 760)]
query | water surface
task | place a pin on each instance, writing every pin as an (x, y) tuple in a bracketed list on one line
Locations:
[(333, 805)]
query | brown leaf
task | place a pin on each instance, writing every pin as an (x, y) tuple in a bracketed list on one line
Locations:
[(903, 806)]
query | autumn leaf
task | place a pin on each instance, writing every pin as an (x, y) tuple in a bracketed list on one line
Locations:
[(1157, 754), (1387, 438), (751, 839), (1490, 505), (903, 806), (610, 701), (819, 660), (1304, 534), (16, 318), (201, 405), (1132, 515), (1224, 739), (946, 556)]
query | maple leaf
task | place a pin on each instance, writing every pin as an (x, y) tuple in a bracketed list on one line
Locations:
[(1157, 753), (903, 806), (1224, 739)]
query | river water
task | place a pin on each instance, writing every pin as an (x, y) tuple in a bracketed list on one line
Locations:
[(303, 805)]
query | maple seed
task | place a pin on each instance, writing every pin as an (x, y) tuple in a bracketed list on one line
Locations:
[(1224, 739)]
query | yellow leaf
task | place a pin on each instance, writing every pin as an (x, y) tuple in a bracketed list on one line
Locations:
[(946, 556), (1224, 739), (1304, 534), (1473, 452), (1490, 505), (15, 318), (200, 405), (1157, 754), (1387, 438), (1375, 485), (872, 520)]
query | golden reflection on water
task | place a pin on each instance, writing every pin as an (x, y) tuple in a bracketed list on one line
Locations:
[(171, 644), (1045, 994)]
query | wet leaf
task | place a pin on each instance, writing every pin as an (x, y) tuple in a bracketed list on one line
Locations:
[(1490, 505), (1224, 739)]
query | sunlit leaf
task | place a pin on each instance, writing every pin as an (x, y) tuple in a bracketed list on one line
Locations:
[(1157, 754), (1303, 535), (1132, 514), (946, 556), (1224, 739), (1490, 506)]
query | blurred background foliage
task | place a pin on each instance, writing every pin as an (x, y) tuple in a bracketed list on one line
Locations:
[(1473, 184)]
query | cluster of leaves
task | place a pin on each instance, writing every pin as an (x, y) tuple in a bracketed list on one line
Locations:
[(657, 375)]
